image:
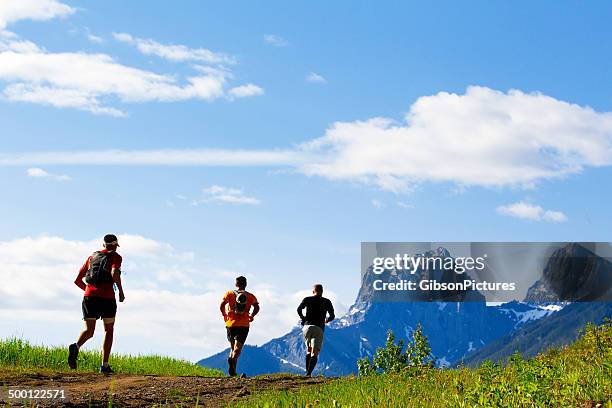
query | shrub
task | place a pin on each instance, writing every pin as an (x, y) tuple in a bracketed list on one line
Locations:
[(393, 359)]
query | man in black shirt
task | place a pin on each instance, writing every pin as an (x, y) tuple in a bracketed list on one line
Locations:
[(317, 310)]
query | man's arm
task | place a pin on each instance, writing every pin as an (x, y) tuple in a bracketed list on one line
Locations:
[(116, 274), (82, 272), (300, 308), (330, 310), (222, 308), (256, 309), (79, 280)]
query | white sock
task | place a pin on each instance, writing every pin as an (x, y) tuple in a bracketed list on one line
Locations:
[(105, 364)]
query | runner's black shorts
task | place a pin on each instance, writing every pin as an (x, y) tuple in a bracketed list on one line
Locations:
[(238, 334), (95, 307)]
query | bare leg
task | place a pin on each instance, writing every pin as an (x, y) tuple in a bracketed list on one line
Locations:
[(231, 353), (308, 359), (231, 361), (73, 349), (234, 356), (237, 350), (87, 333), (314, 357), (109, 329)]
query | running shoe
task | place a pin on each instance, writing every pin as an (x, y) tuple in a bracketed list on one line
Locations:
[(73, 353), (106, 370)]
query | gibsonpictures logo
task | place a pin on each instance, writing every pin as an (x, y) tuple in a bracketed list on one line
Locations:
[(434, 285)]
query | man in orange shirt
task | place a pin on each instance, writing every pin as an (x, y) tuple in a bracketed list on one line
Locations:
[(235, 309)]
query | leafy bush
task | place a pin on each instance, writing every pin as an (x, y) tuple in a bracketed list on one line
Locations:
[(393, 359)]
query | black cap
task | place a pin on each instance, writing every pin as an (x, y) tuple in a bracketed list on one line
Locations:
[(111, 239)]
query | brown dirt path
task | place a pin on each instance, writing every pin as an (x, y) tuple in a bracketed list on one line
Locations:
[(95, 390)]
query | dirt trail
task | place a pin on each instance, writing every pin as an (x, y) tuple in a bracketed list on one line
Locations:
[(88, 389)]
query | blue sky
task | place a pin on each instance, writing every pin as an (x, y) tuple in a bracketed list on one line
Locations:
[(300, 217)]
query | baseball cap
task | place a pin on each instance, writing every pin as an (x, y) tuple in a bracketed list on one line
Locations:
[(111, 239)]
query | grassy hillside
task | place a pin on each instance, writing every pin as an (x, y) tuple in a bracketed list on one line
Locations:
[(17, 353), (578, 375), (559, 329)]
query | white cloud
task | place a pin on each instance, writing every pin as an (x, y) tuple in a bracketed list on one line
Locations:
[(528, 211), (83, 81), (185, 157), (37, 285), (95, 82), (554, 216), (12, 11), (275, 40), (40, 173), (377, 204), (172, 52), (483, 138), (10, 41), (315, 78), (94, 38), (228, 195), (36, 172), (405, 205), (59, 98), (244, 91)]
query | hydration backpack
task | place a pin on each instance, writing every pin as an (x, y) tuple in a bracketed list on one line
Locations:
[(99, 268), (241, 302)]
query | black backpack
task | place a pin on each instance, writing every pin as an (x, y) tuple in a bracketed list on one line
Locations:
[(241, 302), (99, 268)]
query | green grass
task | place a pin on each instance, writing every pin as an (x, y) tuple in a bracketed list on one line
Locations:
[(17, 353), (578, 375)]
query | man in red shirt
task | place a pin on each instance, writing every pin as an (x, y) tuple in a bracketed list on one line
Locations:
[(235, 308), (101, 271)]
